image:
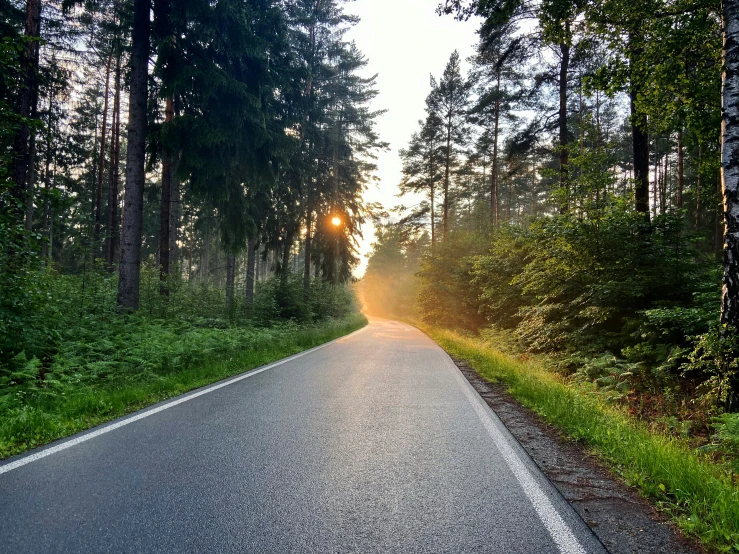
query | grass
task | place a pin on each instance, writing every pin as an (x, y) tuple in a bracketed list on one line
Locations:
[(698, 495), (85, 393)]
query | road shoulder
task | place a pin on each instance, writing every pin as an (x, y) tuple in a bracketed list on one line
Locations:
[(623, 521)]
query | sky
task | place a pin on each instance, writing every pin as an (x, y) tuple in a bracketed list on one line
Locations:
[(405, 43)]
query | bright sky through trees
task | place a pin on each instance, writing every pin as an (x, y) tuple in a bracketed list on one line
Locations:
[(405, 42)]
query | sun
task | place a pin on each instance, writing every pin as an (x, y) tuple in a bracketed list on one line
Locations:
[(336, 221)]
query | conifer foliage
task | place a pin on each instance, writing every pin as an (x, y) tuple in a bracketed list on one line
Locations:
[(251, 127), (588, 180)]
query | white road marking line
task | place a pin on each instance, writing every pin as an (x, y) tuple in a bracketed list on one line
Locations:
[(166, 406), (558, 529)]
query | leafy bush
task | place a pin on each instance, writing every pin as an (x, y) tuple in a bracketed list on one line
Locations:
[(726, 437), (447, 295), (67, 325)]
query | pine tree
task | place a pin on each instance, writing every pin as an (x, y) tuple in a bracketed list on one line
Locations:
[(449, 101), (25, 139), (131, 237), (423, 161), (499, 88)]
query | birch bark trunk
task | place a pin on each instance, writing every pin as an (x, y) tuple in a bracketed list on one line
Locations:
[(680, 170), (730, 179)]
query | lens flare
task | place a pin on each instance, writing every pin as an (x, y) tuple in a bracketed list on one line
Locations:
[(336, 221)]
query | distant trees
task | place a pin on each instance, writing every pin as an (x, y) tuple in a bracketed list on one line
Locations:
[(247, 135), (423, 162), (597, 130), (448, 102)]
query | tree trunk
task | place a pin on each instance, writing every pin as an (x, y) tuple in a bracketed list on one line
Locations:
[(730, 181), (47, 182), (663, 187), (447, 168), (640, 142), (698, 187), (285, 266), (639, 136), (174, 218), (31, 179), (230, 278), (564, 154), (251, 264), (257, 266), (432, 195), (165, 207), (101, 160), (494, 194), (655, 181), (130, 266), (28, 100), (112, 232), (205, 256), (680, 170), (308, 246)]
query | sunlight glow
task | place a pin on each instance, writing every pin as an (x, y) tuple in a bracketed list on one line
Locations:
[(336, 221)]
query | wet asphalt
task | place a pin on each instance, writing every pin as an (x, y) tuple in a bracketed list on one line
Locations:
[(373, 443)]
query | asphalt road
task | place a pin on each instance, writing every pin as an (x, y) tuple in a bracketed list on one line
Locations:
[(372, 443)]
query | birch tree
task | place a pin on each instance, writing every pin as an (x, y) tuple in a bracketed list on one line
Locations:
[(730, 178)]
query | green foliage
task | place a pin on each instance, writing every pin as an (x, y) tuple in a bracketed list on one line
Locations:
[(493, 275), (714, 360), (275, 301), (586, 277), (446, 296), (697, 494), (569, 283), (726, 437), (101, 364)]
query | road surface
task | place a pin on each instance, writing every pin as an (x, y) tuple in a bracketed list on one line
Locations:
[(372, 443)]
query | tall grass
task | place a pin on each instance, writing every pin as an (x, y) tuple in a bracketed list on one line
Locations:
[(105, 379), (698, 495)]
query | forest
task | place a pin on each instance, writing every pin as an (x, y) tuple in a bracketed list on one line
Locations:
[(565, 198), (182, 194), (179, 181)]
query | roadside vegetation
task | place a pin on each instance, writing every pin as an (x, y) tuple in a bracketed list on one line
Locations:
[(85, 364), (701, 495), (569, 229), (181, 188)]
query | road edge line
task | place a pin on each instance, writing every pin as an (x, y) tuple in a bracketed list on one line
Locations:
[(558, 529), (26, 459)]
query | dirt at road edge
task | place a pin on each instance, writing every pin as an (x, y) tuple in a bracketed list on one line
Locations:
[(623, 521)]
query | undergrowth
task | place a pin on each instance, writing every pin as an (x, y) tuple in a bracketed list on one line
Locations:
[(98, 380), (698, 494), (72, 361)]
